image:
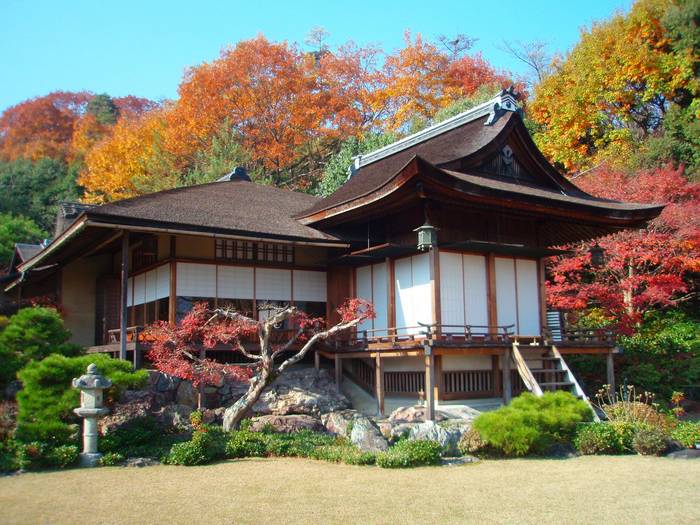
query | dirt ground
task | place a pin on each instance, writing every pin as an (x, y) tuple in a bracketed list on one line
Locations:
[(628, 489)]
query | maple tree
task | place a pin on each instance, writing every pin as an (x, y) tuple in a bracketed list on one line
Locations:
[(613, 89), (179, 350), (41, 127), (644, 269)]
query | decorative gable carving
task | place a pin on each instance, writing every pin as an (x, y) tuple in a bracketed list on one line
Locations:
[(506, 165)]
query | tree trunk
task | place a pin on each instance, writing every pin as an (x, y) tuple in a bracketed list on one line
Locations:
[(236, 412)]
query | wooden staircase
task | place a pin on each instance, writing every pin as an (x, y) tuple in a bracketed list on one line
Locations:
[(543, 369)]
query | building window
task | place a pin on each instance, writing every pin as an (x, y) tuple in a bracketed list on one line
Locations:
[(247, 251), (145, 253)]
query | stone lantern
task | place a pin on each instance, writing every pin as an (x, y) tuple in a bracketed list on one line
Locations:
[(91, 386)]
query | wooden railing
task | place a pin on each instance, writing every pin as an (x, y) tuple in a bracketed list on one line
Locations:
[(448, 334), (362, 373), (133, 333), (580, 337)]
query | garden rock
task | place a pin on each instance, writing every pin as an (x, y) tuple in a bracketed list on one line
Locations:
[(141, 462), (303, 391), (187, 395), (338, 422), (366, 436), (462, 460), (447, 435), (411, 415), (176, 416), (287, 424), (687, 453), (133, 405), (213, 416)]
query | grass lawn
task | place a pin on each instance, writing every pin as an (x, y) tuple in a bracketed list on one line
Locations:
[(628, 489)]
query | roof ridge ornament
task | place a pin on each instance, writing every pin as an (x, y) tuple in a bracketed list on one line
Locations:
[(494, 108), (506, 100)]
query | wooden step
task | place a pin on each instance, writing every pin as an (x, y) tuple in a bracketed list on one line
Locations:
[(545, 370), (545, 358), (557, 384)]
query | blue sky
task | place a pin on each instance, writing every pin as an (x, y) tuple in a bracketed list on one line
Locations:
[(142, 47)]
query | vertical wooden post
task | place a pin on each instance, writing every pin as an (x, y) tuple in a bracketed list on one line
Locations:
[(379, 384), (491, 293), (391, 295), (505, 370), (317, 361), (438, 379), (542, 290), (338, 372), (429, 383), (124, 292), (610, 372), (495, 379)]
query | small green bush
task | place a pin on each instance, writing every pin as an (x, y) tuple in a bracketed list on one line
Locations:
[(111, 459), (47, 399), (687, 433), (8, 456), (531, 424), (599, 438), (142, 438), (343, 452), (206, 445), (410, 454), (36, 455), (246, 444), (650, 441)]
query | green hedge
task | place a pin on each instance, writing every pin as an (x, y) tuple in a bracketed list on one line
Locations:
[(47, 399), (407, 453)]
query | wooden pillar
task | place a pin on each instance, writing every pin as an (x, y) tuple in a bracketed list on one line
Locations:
[(379, 384), (542, 290), (434, 256), (124, 293), (338, 372), (610, 372), (317, 360), (172, 304), (505, 370), (439, 387), (429, 383), (495, 378), (491, 293)]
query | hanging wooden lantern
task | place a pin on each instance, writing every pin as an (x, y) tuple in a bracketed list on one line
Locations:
[(597, 255)]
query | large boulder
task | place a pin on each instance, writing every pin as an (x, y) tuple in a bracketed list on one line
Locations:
[(187, 395), (358, 428), (340, 421), (301, 391), (132, 405), (366, 436), (413, 414), (448, 435), (175, 416), (286, 424)]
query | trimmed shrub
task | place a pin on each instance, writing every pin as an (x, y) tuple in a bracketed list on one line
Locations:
[(246, 444), (650, 441), (47, 399), (112, 459), (206, 445), (687, 433), (8, 456), (31, 335), (531, 424), (410, 454)]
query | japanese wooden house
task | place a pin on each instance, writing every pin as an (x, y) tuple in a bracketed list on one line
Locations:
[(464, 316)]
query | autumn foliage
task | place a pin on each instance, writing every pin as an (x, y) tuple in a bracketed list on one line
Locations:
[(644, 269)]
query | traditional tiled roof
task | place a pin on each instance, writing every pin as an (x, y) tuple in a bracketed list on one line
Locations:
[(27, 251), (231, 207)]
